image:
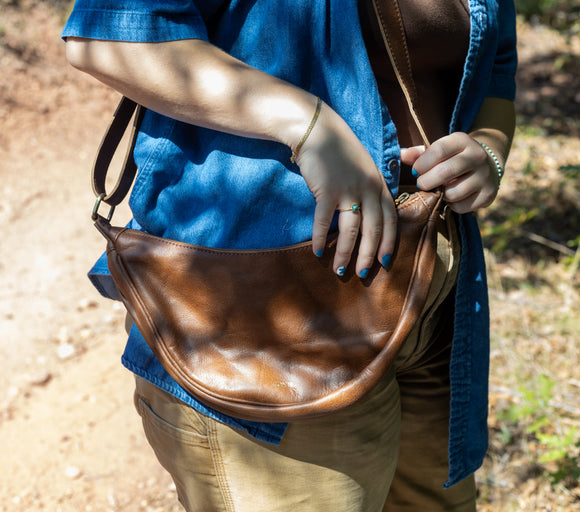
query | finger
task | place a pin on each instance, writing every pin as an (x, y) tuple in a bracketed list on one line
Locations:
[(441, 150), (371, 233), (323, 215), (443, 174), (461, 188), (410, 155), (466, 205), (458, 166), (473, 191), (389, 231), (348, 230)]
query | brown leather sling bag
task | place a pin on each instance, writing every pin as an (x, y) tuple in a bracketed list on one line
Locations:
[(275, 334)]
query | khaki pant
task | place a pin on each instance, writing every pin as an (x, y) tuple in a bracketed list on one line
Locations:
[(385, 453)]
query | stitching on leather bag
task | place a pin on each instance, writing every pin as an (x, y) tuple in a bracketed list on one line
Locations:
[(250, 252), (422, 200)]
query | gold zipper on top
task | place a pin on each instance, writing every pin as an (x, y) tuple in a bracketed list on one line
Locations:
[(402, 198)]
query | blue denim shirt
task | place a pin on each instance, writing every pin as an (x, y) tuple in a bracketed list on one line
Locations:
[(220, 190)]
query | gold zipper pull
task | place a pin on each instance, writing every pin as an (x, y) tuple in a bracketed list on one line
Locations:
[(402, 198)]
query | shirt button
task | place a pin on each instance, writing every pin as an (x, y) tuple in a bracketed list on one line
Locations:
[(393, 165)]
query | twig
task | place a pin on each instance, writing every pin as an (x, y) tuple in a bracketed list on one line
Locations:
[(552, 403), (534, 237), (575, 265), (572, 410)]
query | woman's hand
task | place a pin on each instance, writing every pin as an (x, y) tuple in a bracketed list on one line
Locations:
[(340, 172), (458, 164)]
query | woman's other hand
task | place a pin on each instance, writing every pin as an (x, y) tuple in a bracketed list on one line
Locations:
[(340, 173), (461, 166)]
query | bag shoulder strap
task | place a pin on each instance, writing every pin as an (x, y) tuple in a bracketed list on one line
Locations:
[(126, 110), (393, 33)]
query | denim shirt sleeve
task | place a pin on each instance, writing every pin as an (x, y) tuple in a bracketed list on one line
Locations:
[(135, 20)]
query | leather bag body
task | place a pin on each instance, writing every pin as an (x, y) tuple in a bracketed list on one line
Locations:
[(274, 335)]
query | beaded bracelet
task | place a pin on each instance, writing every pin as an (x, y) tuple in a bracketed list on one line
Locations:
[(305, 136), (499, 169)]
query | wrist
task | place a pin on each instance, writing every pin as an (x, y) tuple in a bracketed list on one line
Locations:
[(296, 149), (288, 115), (493, 160), (496, 145)]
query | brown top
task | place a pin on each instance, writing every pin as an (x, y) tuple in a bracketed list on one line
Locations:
[(438, 39)]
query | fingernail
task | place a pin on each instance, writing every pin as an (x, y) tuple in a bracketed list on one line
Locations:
[(319, 253), (414, 173), (418, 187), (386, 260), (341, 271), (364, 273)]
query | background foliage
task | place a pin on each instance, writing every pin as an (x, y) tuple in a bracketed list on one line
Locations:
[(532, 234), (560, 14)]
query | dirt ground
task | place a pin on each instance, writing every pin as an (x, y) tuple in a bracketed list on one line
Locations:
[(69, 436)]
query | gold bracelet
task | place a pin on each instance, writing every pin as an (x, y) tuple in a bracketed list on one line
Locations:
[(305, 136), (493, 157)]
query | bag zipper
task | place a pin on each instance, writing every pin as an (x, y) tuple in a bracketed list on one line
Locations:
[(402, 198)]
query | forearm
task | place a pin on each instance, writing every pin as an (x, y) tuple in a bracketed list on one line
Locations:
[(494, 126), (195, 82)]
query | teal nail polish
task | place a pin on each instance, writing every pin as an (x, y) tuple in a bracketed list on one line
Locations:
[(418, 187), (364, 273), (386, 260), (319, 253), (341, 271), (414, 173)]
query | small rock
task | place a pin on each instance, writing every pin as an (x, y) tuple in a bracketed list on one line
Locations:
[(112, 499), (87, 304), (40, 379), (63, 336), (85, 334), (108, 319), (65, 351), (72, 472)]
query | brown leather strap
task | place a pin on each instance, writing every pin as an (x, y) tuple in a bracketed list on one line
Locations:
[(393, 32), (108, 147)]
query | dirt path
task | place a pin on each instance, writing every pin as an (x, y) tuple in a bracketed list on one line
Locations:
[(69, 436)]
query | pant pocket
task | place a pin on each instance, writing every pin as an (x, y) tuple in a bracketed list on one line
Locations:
[(178, 436), (176, 428)]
